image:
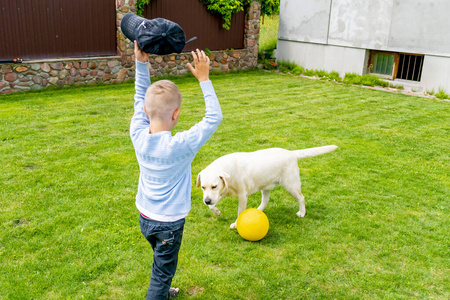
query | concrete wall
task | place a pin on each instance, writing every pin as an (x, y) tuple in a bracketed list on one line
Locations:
[(335, 35), (323, 57), (436, 73), (304, 21), (421, 27), (361, 24)]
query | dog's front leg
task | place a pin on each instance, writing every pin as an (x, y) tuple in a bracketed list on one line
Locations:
[(242, 206), (215, 210)]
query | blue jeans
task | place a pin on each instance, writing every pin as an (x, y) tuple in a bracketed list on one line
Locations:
[(165, 239)]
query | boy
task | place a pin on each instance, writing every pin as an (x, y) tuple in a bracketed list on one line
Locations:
[(164, 189)]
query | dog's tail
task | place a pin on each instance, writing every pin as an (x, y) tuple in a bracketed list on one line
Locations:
[(310, 152)]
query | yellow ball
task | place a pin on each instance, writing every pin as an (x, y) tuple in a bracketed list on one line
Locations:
[(252, 224)]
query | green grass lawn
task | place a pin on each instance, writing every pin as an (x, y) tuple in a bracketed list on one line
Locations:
[(377, 208), (268, 33)]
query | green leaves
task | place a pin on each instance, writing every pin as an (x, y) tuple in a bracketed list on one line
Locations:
[(270, 7), (225, 8), (140, 4)]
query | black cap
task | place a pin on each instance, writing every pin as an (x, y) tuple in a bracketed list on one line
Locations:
[(155, 36)]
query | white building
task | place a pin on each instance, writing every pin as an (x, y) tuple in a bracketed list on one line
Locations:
[(404, 40)]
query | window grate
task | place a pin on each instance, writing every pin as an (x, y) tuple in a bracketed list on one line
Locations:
[(410, 67)]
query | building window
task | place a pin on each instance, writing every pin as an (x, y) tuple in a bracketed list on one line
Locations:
[(392, 65), (383, 63), (410, 66)]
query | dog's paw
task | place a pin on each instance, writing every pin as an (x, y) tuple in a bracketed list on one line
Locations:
[(215, 210), (301, 214), (232, 226)]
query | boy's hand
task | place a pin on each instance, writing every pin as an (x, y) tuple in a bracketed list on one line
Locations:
[(141, 56), (201, 62)]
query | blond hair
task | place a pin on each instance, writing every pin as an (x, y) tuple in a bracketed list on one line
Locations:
[(161, 99)]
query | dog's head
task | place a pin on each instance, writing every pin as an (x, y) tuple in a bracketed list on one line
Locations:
[(213, 184)]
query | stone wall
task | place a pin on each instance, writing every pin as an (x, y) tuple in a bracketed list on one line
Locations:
[(37, 75), (116, 69)]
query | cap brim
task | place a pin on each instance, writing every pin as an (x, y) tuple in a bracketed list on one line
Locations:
[(129, 24)]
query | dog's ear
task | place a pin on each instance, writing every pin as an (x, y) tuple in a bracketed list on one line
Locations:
[(225, 178), (198, 180)]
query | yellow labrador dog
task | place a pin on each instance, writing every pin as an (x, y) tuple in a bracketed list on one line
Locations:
[(244, 173)]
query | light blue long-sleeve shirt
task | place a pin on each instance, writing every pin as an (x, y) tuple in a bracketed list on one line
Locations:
[(164, 189)]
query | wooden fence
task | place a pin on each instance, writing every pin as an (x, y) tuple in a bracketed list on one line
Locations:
[(40, 29), (37, 29), (78, 42), (197, 20)]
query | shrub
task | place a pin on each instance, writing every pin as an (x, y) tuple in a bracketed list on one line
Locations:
[(366, 79), (334, 76), (309, 72), (441, 94)]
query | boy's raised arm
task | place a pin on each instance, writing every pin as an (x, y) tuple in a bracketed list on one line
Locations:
[(202, 131), (142, 82)]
